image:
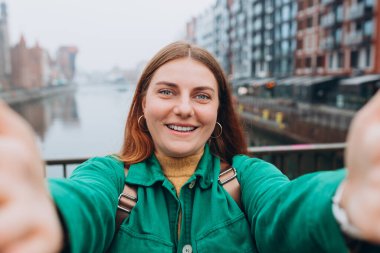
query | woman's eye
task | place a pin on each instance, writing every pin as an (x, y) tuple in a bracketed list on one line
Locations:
[(203, 97), (166, 92)]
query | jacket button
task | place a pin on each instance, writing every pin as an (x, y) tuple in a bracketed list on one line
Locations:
[(187, 249), (191, 185)]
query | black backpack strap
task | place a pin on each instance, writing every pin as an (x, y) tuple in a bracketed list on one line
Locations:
[(228, 179), (127, 200)]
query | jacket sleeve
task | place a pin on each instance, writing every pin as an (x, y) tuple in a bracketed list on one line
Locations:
[(290, 216), (87, 203)]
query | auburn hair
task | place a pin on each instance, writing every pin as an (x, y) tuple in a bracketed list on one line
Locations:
[(138, 144)]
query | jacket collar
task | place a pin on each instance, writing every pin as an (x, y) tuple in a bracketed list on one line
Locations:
[(149, 172)]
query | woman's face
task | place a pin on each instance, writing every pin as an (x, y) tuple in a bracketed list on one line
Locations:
[(181, 106)]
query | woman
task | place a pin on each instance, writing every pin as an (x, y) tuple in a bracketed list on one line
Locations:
[(180, 127)]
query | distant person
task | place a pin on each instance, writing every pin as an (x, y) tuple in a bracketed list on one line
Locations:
[(181, 129)]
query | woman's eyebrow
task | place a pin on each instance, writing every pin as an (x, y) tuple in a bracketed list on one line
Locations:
[(166, 83), (201, 88)]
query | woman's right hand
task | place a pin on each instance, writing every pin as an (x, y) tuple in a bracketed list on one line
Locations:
[(29, 221)]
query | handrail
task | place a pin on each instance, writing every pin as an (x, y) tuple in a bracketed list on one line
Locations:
[(293, 160)]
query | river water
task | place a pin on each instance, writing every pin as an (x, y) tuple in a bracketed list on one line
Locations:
[(85, 123)]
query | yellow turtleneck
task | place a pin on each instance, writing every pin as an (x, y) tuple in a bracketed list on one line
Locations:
[(179, 170)]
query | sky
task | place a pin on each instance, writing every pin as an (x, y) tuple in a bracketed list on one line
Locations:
[(108, 33)]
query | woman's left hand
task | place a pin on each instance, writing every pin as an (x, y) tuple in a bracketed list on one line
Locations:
[(361, 194)]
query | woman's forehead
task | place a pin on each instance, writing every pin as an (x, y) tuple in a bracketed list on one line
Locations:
[(185, 71)]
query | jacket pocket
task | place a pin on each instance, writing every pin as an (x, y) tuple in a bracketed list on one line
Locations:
[(128, 240), (229, 236)]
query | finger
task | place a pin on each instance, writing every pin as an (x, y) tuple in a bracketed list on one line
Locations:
[(14, 224), (17, 159), (15, 131), (13, 126)]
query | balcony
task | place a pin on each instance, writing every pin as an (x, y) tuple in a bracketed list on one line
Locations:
[(353, 38), (355, 11), (292, 160), (328, 20)]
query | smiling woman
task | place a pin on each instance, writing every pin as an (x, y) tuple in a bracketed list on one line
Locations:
[(181, 132)]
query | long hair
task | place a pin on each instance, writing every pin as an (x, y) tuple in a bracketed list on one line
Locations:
[(138, 144)]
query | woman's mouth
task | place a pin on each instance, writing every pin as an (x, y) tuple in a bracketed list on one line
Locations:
[(181, 128)]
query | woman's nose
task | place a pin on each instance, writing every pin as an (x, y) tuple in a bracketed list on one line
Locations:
[(184, 108)]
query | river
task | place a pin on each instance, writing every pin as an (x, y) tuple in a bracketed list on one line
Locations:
[(85, 123)]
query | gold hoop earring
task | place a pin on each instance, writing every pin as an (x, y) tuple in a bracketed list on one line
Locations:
[(144, 129), (220, 132)]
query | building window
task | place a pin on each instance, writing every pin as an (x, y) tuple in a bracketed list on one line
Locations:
[(331, 61), (369, 3), (354, 59), (285, 12), (285, 47), (300, 24), (294, 9), (292, 45), (368, 56), (258, 9), (277, 33), (309, 22), (310, 3), (285, 30), (340, 59), (298, 63), (338, 35), (339, 13), (308, 62), (299, 43), (368, 28), (320, 61), (293, 29)]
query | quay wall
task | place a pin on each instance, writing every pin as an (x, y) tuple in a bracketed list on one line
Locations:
[(14, 97), (303, 123)]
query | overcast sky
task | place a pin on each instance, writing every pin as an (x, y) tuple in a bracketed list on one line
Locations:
[(108, 33)]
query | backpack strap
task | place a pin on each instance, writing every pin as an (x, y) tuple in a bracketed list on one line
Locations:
[(127, 200), (227, 178)]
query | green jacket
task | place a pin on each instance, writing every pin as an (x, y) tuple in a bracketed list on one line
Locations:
[(278, 215)]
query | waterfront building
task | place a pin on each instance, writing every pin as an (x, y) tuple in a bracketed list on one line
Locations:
[(241, 50), (65, 62), (351, 36), (222, 34), (5, 57), (284, 38), (27, 66), (308, 56), (204, 27), (190, 30)]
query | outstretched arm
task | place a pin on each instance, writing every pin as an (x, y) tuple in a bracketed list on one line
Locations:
[(28, 219), (361, 189)]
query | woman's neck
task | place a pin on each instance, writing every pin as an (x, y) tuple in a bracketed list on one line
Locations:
[(179, 170)]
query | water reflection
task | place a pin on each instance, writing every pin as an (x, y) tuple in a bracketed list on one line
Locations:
[(42, 113), (84, 123)]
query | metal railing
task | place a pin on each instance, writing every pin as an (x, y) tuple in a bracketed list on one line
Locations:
[(292, 160)]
